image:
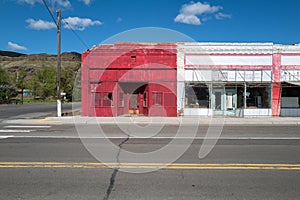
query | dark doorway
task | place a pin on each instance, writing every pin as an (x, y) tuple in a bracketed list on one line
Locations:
[(135, 91)]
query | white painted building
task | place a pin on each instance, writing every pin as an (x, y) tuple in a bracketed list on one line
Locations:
[(238, 79)]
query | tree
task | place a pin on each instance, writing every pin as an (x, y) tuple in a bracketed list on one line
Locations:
[(77, 88), (19, 81), (43, 83), (68, 76), (7, 91), (4, 78)]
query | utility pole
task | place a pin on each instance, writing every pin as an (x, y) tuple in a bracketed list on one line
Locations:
[(58, 66)]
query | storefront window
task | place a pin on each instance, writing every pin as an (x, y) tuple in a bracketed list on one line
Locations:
[(196, 95), (258, 96), (240, 96), (290, 96)]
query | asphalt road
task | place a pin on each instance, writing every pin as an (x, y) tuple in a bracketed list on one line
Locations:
[(22, 111), (51, 162)]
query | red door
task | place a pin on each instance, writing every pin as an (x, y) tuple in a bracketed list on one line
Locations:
[(140, 104)]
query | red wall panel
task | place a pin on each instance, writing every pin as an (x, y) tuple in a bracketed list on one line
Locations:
[(276, 92), (105, 67)]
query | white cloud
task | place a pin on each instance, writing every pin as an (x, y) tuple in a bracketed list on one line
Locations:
[(31, 2), (86, 2), (199, 8), (190, 13), (14, 46), (80, 24), (53, 3), (222, 16), (40, 24), (188, 19), (74, 23), (63, 3)]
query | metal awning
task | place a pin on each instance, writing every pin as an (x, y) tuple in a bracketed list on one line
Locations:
[(293, 82)]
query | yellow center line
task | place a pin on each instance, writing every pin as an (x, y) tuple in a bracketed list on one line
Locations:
[(40, 120), (99, 165), (46, 120)]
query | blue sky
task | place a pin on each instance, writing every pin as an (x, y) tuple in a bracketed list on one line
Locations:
[(27, 26)]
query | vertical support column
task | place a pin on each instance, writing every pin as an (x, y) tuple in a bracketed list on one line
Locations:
[(85, 87), (276, 96), (210, 99), (224, 100), (180, 79), (116, 100), (245, 95)]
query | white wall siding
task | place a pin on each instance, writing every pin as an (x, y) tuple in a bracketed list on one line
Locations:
[(265, 60), (197, 112), (197, 75), (254, 112), (290, 60), (228, 48)]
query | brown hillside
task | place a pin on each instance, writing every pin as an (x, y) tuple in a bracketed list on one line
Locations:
[(12, 62)]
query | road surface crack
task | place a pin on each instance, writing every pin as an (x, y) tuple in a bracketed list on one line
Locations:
[(115, 172), (111, 184)]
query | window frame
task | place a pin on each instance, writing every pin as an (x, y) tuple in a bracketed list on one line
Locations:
[(154, 98)]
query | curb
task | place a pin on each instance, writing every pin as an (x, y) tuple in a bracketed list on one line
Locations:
[(68, 118)]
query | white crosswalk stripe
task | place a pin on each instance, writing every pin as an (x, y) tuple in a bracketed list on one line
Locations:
[(29, 126), (15, 131), (21, 129), (5, 136)]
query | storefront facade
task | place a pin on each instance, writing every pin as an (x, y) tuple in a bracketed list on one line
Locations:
[(231, 79), (129, 79), (192, 79), (290, 80)]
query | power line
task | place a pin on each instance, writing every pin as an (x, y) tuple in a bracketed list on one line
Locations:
[(50, 12), (79, 38), (65, 22)]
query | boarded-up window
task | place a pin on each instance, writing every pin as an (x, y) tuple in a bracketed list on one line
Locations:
[(157, 98), (103, 99), (97, 99), (121, 99), (107, 99)]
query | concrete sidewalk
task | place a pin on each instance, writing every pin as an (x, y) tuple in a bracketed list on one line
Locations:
[(161, 120)]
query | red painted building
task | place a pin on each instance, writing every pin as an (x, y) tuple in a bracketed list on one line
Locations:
[(195, 79), (129, 78)]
